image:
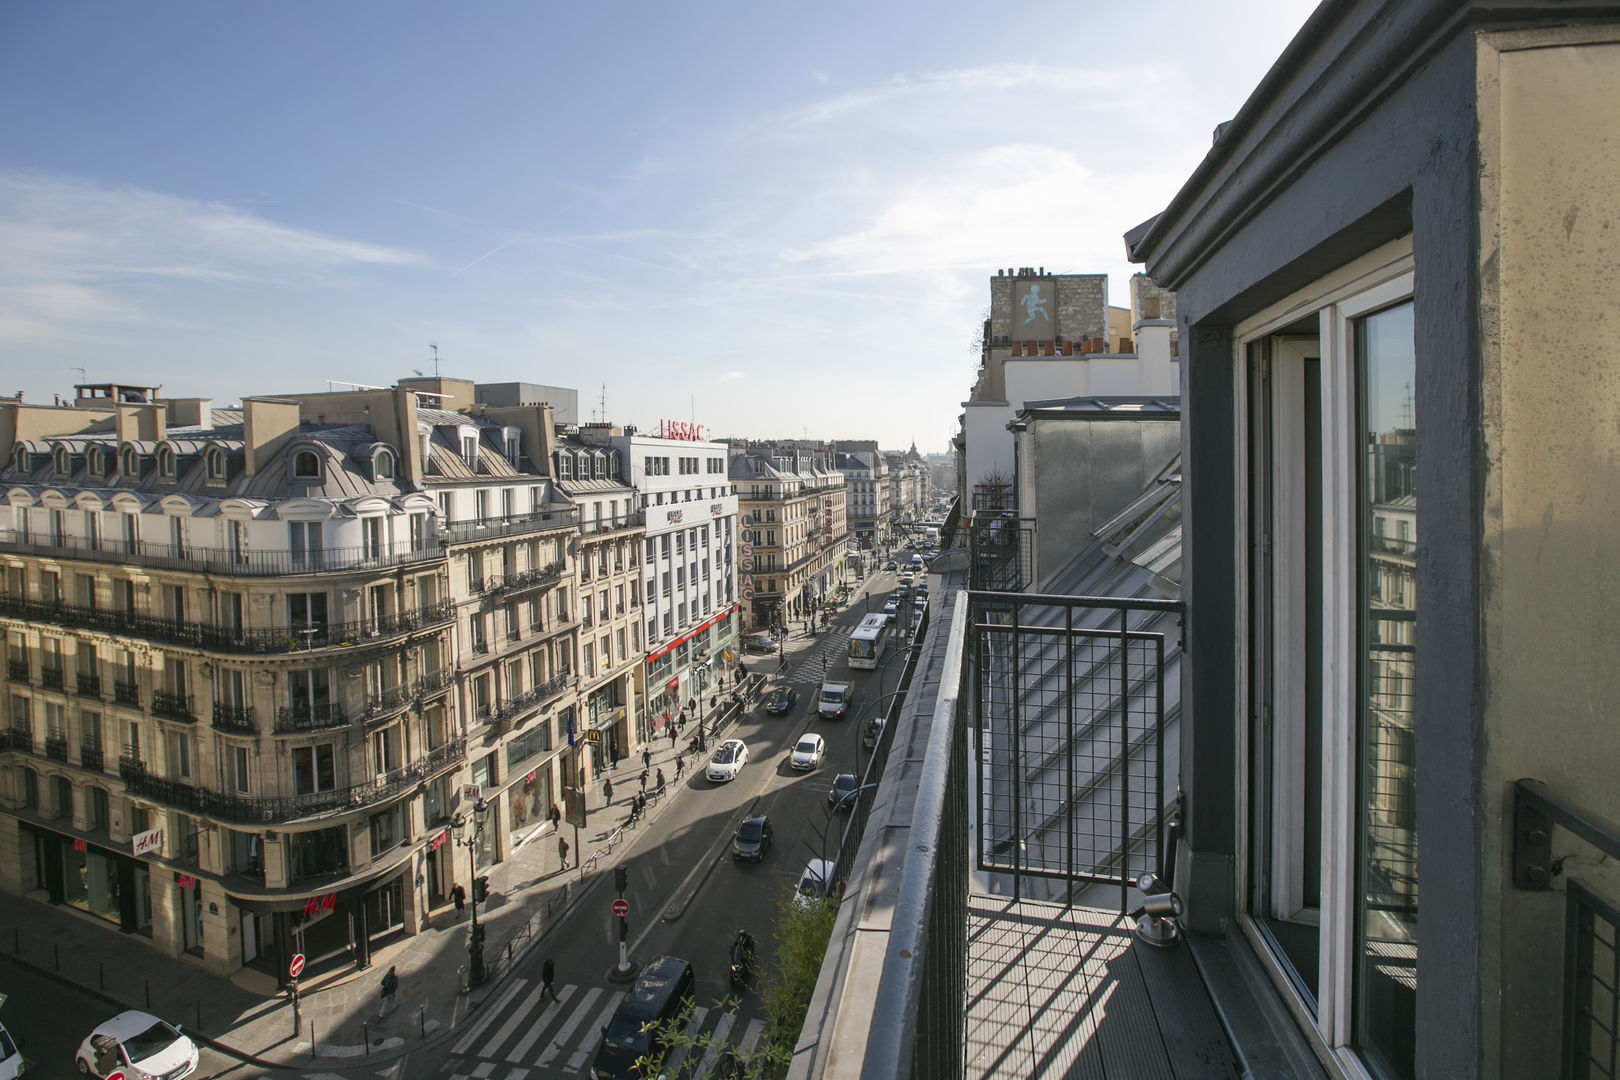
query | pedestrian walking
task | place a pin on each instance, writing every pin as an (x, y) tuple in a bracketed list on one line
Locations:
[(646, 758), (680, 765), (607, 791), (660, 781), (548, 972), (673, 735), (644, 781), (390, 993), (562, 851), (458, 896), (641, 804), (556, 816)]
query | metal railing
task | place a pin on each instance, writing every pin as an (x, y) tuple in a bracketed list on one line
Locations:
[(236, 718), (56, 747), (524, 579), (241, 808), (125, 693), (17, 671), (90, 758), (306, 716), (1002, 550), (632, 520), (506, 708), (1069, 715), (223, 561), (89, 685), (232, 639), (172, 706), (464, 532), (51, 678), (1591, 977)]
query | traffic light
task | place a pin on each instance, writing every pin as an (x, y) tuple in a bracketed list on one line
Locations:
[(480, 889), (621, 879)]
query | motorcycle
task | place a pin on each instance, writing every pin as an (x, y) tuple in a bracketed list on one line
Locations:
[(742, 959)]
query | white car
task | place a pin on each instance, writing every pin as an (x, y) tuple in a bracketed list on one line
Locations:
[(140, 1046), (907, 579), (812, 887), (807, 752), (729, 758)]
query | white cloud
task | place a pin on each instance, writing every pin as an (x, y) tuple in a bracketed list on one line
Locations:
[(730, 376)]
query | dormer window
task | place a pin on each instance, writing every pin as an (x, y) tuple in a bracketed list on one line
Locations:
[(513, 445), (613, 465), (469, 450), (19, 454), (216, 463), (565, 466), (382, 465), (130, 463), (64, 463), (306, 465), (165, 461), (598, 469), (97, 462)]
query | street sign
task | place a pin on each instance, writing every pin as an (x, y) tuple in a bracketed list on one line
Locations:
[(471, 792), (621, 907), (296, 966), (116, 1074)]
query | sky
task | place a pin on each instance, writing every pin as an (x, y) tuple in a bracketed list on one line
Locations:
[(773, 220)]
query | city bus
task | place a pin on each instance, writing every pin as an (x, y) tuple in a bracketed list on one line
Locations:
[(868, 641)]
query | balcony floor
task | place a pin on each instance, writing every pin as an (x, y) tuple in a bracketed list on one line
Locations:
[(1055, 992)]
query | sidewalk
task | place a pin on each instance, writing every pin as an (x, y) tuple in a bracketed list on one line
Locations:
[(247, 1017)]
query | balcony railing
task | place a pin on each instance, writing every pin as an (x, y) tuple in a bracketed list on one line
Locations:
[(18, 736), (17, 671), (463, 532), (223, 561), (172, 706), (307, 717), (125, 693), (233, 718), (56, 747), (388, 701), (238, 808), (507, 708), (89, 685), (614, 524), (50, 678), (90, 758), (231, 639), (435, 681), (1003, 553), (508, 584)]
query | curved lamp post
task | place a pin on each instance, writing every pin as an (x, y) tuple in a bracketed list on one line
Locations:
[(469, 839)]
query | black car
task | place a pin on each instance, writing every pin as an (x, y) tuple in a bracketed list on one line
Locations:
[(844, 791), (753, 839), (782, 701)]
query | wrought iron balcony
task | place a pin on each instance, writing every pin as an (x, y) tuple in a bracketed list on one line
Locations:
[(389, 701), (234, 718), (50, 678), (56, 747), (232, 639), (223, 561), (172, 706), (126, 693), (463, 532), (434, 682), (17, 671), (1003, 552), (238, 808), (308, 717), (89, 685), (524, 580), (505, 709), (90, 758), (19, 736), (619, 523)]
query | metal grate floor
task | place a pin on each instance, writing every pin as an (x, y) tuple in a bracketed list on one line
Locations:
[(1055, 992)]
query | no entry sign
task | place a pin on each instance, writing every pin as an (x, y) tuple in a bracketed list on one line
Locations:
[(297, 965), (621, 908)]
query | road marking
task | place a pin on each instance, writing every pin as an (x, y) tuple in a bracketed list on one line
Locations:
[(556, 1043), (488, 1018), (529, 1040), (491, 1048), (721, 1033), (672, 1064), (577, 1061), (751, 1034)]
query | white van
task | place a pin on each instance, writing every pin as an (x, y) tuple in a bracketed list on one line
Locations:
[(12, 1063), (834, 700)]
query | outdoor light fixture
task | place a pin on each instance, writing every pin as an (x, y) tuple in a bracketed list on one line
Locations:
[(1160, 908)]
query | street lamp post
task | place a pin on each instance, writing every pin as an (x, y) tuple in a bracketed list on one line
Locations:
[(475, 942)]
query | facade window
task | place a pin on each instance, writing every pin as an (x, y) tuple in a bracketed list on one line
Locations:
[(314, 769), (215, 459), (469, 451), (382, 465), (306, 465)]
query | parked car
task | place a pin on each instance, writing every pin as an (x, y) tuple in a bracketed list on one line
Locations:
[(844, 791), (760, 643), (782, 701), (140, 1046), (891, 565), (753, 839), (807, 753), (812, 886), (729, 758)]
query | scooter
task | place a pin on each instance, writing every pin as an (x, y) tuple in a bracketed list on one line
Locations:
[(742, 959)]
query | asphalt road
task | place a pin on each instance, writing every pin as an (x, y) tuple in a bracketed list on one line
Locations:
[(687, 896), (51, 1018)]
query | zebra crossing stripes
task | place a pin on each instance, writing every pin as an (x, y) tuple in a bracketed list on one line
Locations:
[(577, 1059), (518, 1052), (488, 1017), (557, 1042)]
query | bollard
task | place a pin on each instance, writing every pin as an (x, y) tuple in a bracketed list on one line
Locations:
[(421, 1019), (365, 1035), (312, 1036)]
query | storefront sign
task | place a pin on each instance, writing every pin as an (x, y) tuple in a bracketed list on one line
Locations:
[(593, 736), (185, 881), (747, 521), (150, 840), (471, 793), (675, 516), (79, 845), (716, 509), (438, 841), (677, 429), (673, 684), (320, 903)]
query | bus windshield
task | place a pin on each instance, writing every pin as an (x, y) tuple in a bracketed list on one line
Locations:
[(866, 644)]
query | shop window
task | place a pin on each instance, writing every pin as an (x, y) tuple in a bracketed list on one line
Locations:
[(314, 769), (317, 854), (387, 829), (98, 816), (63, 802)]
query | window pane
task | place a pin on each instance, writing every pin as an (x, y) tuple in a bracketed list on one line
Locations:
[(1386, 958)]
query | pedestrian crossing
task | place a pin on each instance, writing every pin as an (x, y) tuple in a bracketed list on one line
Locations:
[(524, 1035)]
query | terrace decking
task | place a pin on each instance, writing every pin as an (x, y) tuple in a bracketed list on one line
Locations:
[(1065, 992)]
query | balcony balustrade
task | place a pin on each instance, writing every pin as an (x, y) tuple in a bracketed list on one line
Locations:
[(435, 681), (391, 700), (498, 713), (463, 532), (234, 718), (310, 717), (126, 693), (243, 809), (17, 671), (223, 561), (89, 685), (50, 678), (231, 639), (56, 747), (508, 584), (90, 758), (19, 736), (172, 706)]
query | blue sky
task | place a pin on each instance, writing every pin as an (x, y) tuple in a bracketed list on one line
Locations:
[(777, 220)]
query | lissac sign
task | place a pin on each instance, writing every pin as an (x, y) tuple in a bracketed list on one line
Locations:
[(677, 429)]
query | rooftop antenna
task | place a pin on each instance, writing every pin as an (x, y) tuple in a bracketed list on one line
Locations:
[(435, 347), (601, 415), (83, 378)]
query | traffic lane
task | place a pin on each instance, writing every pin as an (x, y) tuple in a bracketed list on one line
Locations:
[(51, 1018)]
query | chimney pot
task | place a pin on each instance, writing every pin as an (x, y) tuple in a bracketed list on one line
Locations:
[(1068, 348), (1150, 307)]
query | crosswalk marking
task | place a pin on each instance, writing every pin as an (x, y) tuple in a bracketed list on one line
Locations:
[(567, 1032), (492, 1047), (751, 1034), (484, 1069), (577, 1060), (489, 1017), (522, 1048), (677, 1057), (722, 1029)]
